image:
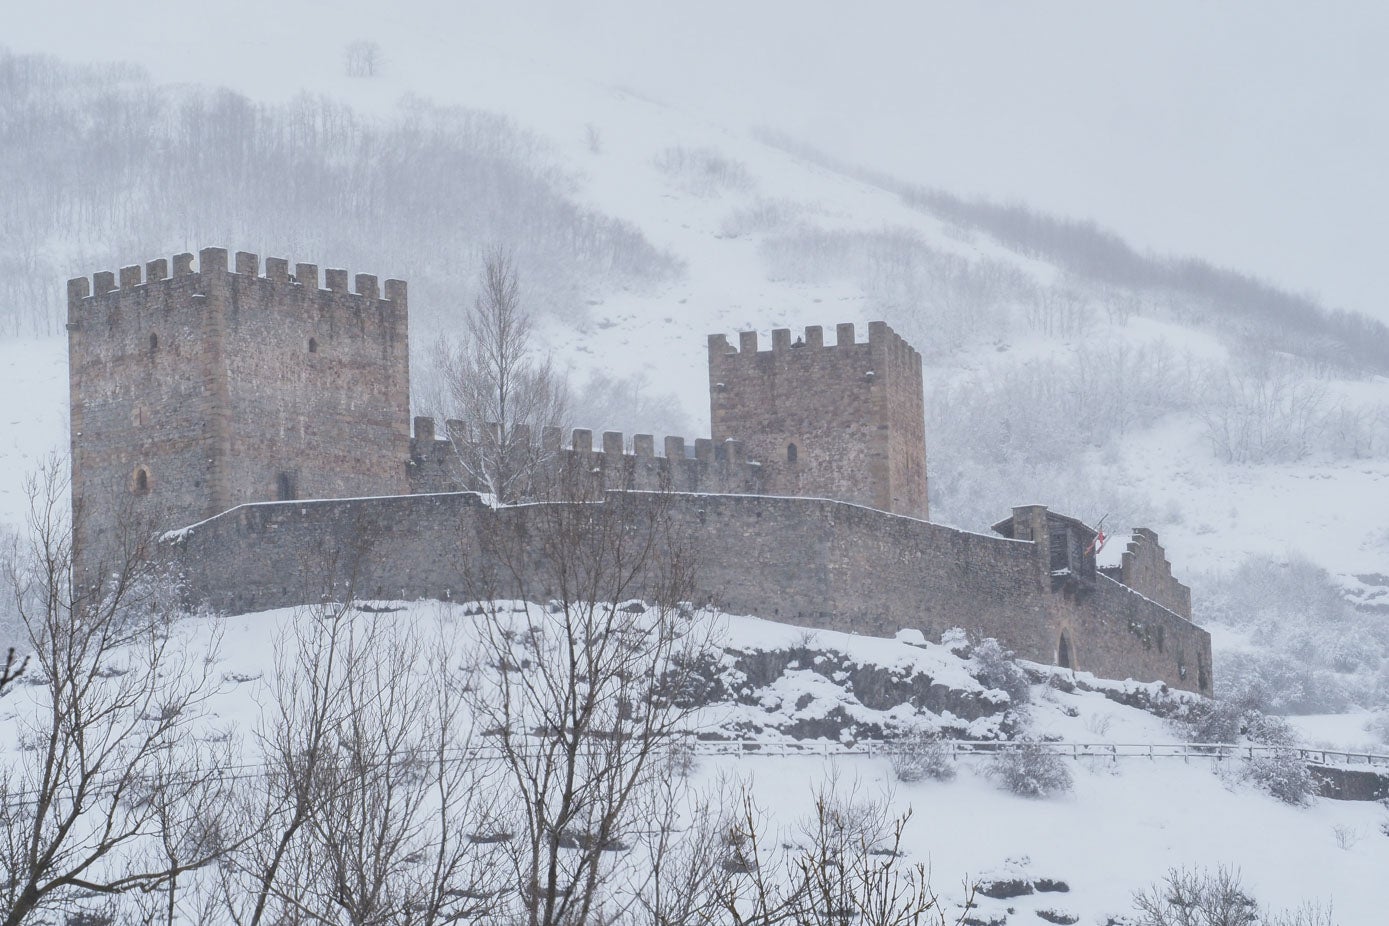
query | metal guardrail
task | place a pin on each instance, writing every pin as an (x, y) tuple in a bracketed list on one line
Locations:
[(958, 749), (964, 749)]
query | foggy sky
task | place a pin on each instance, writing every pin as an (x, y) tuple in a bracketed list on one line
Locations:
[(1252, 134)]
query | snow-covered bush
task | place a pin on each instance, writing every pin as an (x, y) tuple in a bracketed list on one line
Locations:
[(1030, 769), (994, 667), (1279, 684), (1234, 721), (1378, 727), (919, 754), (1282, 774), (1314, 652)]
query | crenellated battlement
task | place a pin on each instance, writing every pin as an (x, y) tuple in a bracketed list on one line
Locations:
[(698, 465), (881, 337), (212, 265)]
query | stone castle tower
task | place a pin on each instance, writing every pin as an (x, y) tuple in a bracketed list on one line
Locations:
[(200, 390), (843, 421)]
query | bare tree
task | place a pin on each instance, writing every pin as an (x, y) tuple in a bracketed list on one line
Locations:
[(372, 800), (845, 865), (120, 695), (491, 380), (588, 642), (685, 853), (362, 58)]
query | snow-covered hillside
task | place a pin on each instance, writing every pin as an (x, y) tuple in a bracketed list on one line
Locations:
[(1125, 823)]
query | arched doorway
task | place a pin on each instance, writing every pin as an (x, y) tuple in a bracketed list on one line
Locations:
[(1064, 656)]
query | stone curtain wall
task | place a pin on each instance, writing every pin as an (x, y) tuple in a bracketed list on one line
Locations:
[(817, 563), (193, 390), (697, 466)]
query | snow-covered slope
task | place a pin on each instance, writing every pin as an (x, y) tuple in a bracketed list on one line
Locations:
[(1125, 823)]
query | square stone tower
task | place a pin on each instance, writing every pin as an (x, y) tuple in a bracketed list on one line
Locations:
[(202, 389), (842, 421)]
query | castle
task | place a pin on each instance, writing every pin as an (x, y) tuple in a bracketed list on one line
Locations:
[(259, 415)]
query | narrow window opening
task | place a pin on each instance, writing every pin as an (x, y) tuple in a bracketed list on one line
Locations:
[(284, 487), (313, 346), (790, 453), (154, 342), (141, 483)]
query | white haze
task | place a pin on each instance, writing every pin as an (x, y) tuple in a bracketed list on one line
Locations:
[(1251, 134)]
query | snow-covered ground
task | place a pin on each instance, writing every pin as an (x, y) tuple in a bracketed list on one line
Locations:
[(1125, 823)]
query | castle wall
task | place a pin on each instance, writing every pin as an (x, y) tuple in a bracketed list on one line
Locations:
[(816, 563), (671, 464), (852, 411)]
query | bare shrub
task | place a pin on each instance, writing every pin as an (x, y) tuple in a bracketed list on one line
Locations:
[(581, 695), (12, 669), (1262, 415), (1030, 769), (369, 805), (763, 215), (1309, 914), (1197, 898), (1346, 836), (704, 171), (1187, 897)]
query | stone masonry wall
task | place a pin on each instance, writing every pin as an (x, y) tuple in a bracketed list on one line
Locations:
[(842, 421), (812, 562), (318, 382), (1145, 569), (143, 384), (435, 463), (199, 389)]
